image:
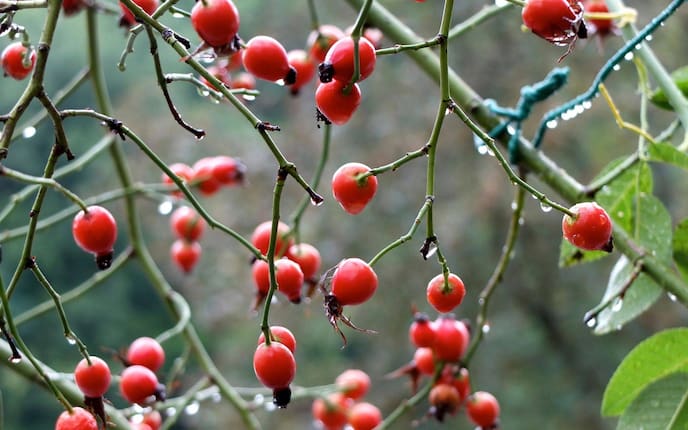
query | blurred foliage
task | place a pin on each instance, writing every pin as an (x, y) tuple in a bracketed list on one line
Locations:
[(546, 367)]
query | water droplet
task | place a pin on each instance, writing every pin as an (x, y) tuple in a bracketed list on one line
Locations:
[(616, 67), (617, 304), (552, 123), (587, 104), (648, 37), (638, 46), (319, 202), (136, 418), (592, 322), (447, 112), (432, 250), (270, 406), (521, 221), (203, 93), (620, 214), (15, 360), (579, 109), (510, 129), (514, 206), (618, 327), (500, 3), (249, 97), (482, 149), (628, 56), (258, 399), (29, 132), (280, 82), (672, 297), (178, 15), (216, 398), (70, 339), (192, 408), (165, 207), (485, 328), (481, 301), (170, 412), (545, 207)]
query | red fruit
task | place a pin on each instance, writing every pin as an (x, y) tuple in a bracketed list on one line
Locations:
[(265, 58), (93, 380), (602, 27), (244, 81), (457, 377), (336, 104), (261, 238), (557, 21), (445, 298), (187, 224), (351, 193), (353, 282), (422, 331), (482, 409), (153, 419), (140, 426), (282, 335), (79, 419), (95, 231), (70, 7), (147, 352), (12, 58), (234, 62), (364, 416), (215, 21), (127, 19), (353, 383), (451, 339), (591, 229), (184, 172), (319, 42), (305, 68), (444, 399), (203, 176), (339, 62), (261, 277), (289, 279), (228, 171), (274, 365), (331, 411), (307, 257), (185, 254), (424, 359), (138, 383)]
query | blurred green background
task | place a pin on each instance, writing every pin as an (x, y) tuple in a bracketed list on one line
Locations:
[(539, 359)]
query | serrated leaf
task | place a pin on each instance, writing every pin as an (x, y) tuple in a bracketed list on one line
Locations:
[(661, 406), (680, 78), (651, 360), (667, 153), (680, 247), (652, 230), (617, 198)]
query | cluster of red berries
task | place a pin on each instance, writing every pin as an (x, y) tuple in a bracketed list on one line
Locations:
[(209, 174), (188, 227), (138, 384), (344, 406), (18, 60)]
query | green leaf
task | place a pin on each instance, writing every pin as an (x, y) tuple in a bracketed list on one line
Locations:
[(680, 77), (667, 153), (661, 406), (651, 360), (680, 246), (617, 198), (652, 230)]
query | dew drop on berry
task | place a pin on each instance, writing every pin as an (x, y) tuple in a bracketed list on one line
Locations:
[(29, 132)]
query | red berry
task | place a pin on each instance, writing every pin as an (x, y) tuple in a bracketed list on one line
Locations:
[(339, 62), (127, 19), (336, 104), (140, 426), (12, 58), (351, 193), (353, 282), (265, 58), (557, 21), (228, 171), (353, 383), (78, 419), (185, 254), (458, 377), (93, 380), (233, 62), (305, 69), (95, 231), (138, 383), (602, 27), (282, 335), (445, 298), (591, 229), (422, 331), (451, 339), (215, 21), (307, 257), (187, 224), (184, 172), (153, 419), (261, 277), (332, 410), (364, 416), (274, 365), (482, 409), (424, 360), (260, 238), (289, 279), (70, 7), (147, 352), (203, 176), (319, 42), (444, 399)]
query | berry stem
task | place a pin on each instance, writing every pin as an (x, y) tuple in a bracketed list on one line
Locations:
[(478, 18)]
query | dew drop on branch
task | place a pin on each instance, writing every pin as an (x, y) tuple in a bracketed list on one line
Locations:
[(485, 328), (592, 322), (29, 132), (552, 123), (249, 97), (545, 207), (192, 408), (70, 339), (171, 411), (15, 360), (672, 297), (617, 304), (628, 56)]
